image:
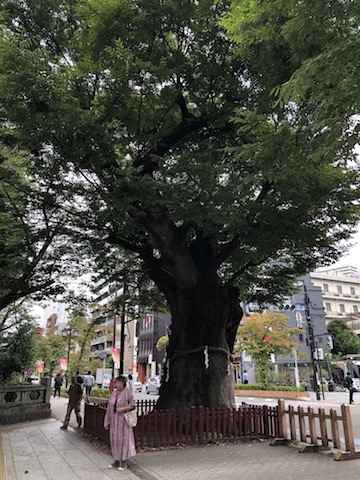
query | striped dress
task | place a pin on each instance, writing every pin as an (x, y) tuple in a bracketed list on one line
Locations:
[(122, 441)]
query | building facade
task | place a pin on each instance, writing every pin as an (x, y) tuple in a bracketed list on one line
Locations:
[(341, 294), (151, 327), (108, 330)]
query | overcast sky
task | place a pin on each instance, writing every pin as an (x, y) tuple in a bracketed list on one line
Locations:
[(353, 256)]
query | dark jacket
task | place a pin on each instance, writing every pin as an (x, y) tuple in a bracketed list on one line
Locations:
[(348, 382), (75, 394)]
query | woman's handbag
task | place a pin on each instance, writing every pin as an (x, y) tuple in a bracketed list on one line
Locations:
[(131, 418), (131, 415)]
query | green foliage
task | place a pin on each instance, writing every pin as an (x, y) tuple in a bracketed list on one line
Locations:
[(50, 349), (159, 140), (272, 388), (261, 335), (100, 392), (101, 85), (345, 340), (17, 352), (162, 343)]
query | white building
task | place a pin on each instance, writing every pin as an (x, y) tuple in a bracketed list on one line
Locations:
[(341, 294)]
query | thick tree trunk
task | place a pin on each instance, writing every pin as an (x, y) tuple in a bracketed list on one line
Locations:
[(199, 358)]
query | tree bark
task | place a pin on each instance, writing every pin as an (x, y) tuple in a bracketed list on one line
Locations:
[(199, 368)]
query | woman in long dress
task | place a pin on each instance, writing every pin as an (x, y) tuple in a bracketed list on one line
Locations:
[(122, 440)]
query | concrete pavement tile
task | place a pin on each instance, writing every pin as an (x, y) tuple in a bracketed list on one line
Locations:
[(74, 458), (92, 473), (62, 470), (23, 464), (56, 476), (26, 451), (30, 475)]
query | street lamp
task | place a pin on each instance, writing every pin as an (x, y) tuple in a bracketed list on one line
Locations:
[(69, 332)]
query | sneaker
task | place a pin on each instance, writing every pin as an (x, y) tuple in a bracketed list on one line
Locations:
[(64, 427), (115, 464), (79, 423), (123, 466)]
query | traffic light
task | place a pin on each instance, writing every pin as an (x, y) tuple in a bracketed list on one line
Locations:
[(330, 342)]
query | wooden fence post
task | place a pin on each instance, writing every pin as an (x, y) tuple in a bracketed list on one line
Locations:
[(348, 431), (282, 418)]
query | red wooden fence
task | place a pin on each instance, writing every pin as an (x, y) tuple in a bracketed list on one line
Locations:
[(194, 425)]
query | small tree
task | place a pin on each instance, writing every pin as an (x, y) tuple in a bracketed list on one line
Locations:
[(263, 334), (50, 349)]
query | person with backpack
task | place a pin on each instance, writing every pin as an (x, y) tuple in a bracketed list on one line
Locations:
[(58, 384), (348, 383)]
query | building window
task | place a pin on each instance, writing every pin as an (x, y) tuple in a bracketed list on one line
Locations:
[(339, 289), (328, 307), (325, 287), (355, 309), (352, 291), (342, 308)]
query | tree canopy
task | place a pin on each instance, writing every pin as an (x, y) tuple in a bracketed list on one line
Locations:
[(345, 340), (17, 347), (163, 138)]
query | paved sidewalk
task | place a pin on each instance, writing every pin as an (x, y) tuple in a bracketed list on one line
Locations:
[(41, 451)]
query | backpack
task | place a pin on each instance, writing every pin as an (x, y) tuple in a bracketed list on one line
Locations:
[(347, 382), (79, 379)]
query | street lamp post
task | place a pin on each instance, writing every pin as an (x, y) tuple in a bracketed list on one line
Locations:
[(69, 332)]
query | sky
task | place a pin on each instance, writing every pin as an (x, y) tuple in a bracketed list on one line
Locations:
[(353, 256)]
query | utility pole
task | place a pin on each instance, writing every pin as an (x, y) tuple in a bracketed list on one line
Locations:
[(122, 333), (311, 340)]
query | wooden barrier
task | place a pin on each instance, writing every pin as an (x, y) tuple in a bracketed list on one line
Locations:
[(292, 427), (191, 426)]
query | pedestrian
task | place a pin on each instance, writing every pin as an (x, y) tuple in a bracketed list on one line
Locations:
[(75, 396), (58, 384), (79, 379), (89, 381), (245, 377), (348, 383), (122, 440), (130, 384)]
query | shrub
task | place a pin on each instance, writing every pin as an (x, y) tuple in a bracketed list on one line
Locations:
[(276, 388), (100, 392)]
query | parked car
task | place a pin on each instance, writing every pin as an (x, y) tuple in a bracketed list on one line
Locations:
[(34, 379), (153, 385), (137, 385)]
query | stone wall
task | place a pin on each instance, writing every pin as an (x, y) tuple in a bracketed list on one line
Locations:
[(21, 403)]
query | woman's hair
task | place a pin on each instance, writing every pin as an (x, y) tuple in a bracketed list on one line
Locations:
[(121, 379)]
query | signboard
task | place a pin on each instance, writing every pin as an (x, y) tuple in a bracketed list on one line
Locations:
[(63, 364), (40, 367)]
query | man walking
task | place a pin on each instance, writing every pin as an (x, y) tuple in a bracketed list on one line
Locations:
[(58, 384), (89, 381), (348, 383), (75, 396)]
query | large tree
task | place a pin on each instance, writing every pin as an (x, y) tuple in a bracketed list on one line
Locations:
[(168, 145)]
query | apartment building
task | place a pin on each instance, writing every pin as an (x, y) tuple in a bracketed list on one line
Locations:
[(108, 332), (341, 293)]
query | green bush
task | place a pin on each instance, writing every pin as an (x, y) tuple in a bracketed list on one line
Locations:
[(100, 392), (275, 388)]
